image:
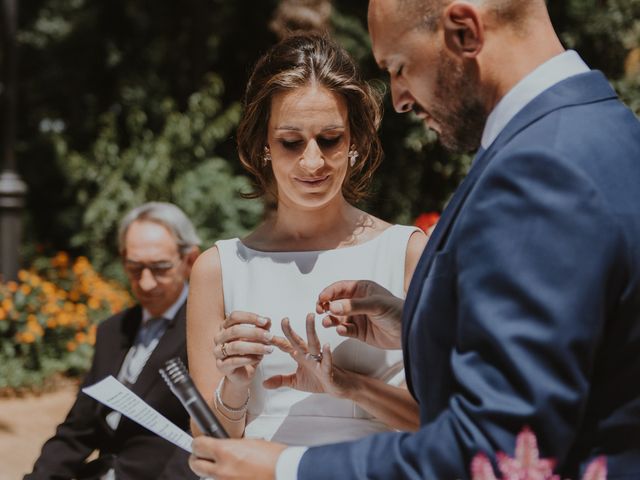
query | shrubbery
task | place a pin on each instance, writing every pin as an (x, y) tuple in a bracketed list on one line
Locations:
[(48, 319)]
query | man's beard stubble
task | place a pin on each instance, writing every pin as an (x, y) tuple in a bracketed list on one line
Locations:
[(459, 112)]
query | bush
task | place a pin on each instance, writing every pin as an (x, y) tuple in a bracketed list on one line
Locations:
[(48, 319)]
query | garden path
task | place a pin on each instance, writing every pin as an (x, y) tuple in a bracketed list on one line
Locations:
[(26, 423)]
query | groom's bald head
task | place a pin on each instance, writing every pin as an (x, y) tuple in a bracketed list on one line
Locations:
[(427, 13)]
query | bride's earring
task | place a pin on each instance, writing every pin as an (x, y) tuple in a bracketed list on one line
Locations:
[(353, 155), (266, 157)]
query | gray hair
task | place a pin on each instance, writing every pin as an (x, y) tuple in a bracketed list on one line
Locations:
[(167, 215)]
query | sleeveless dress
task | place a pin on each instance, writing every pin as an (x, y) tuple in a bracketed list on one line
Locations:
[(287, 284)]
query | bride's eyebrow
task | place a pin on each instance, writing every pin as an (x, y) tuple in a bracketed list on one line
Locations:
[(297, 129)]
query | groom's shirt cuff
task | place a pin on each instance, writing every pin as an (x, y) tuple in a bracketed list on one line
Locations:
[(288, 462)]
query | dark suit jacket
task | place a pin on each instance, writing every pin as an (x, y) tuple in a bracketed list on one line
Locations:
[(139, 453), (525, 306)]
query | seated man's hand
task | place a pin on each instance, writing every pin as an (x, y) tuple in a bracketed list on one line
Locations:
[(235, 459), (364, 310)]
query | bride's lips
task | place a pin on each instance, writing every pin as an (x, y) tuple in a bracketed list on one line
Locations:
[(312, 181)]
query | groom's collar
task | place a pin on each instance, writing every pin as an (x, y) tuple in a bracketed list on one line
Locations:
[(553, 71)]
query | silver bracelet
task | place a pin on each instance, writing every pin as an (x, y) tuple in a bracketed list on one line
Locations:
[(234, 420), (229, 409)]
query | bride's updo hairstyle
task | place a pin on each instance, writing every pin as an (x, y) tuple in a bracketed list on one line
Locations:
[(298, 61)]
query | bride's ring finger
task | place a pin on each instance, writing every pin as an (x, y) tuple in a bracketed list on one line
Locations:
[(317, 357)]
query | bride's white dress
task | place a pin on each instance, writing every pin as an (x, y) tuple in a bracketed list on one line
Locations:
[(287, 284)]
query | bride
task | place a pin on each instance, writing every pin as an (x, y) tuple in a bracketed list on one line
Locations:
[(308, 136)]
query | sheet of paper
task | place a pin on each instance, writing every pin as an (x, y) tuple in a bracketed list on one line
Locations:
[(115, 395)]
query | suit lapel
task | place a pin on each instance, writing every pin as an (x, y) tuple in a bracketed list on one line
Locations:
[(170, 343), (439, 235), (129, 324)]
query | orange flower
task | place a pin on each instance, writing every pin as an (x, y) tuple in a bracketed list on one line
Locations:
[(35, 328), (7, 304), (71, 346), (64, 319), (51, 323), (26, 337), (81, 266), (94, 303), (25, 289), (23, 275), (49, 288), (91, 336), (12, 286), (3, 314), (81, 337), (60, 260)]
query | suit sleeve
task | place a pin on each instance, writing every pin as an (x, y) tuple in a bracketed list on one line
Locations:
[(76, 437), (536, 257)]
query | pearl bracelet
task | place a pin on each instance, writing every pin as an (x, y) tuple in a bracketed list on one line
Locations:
[(242, 409)]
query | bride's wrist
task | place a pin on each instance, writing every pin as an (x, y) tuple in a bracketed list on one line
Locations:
[(235, 385), (232, 397)]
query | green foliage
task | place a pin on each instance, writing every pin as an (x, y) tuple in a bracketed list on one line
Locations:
[(130, 163), (123, 102), (118, 101)]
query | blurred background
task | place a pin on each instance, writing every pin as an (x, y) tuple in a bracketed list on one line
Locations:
[(120, 102)]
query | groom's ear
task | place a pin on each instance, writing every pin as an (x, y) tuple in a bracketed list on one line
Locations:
[(463, 29)]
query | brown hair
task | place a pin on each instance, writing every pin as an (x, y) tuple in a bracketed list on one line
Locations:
[(296, 62)]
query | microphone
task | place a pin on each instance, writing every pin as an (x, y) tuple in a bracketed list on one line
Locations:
[(176, 376)]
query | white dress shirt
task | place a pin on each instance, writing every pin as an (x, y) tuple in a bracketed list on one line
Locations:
[(553, 71)]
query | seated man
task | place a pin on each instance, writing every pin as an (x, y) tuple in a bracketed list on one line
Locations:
[(158, 245)]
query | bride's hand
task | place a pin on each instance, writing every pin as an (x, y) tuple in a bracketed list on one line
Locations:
[(242, 341), (316, 372)]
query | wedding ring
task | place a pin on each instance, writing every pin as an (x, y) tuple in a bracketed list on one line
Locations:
[(223, 349), (316, 356)]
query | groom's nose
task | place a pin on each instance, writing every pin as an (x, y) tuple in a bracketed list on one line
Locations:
[(402, 99)]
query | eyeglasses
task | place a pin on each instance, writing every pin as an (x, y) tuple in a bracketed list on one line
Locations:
[(158, 270)]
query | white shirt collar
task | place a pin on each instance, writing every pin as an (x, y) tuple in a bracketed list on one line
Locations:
[(170, 312), (553, 71)]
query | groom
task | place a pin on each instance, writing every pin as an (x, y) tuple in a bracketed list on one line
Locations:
[(525, 307)]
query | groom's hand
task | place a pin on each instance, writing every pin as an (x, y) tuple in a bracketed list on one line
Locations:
[(235, 459), (364, 310)]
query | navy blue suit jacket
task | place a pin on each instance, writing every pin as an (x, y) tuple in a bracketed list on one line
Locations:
[(525, 306)]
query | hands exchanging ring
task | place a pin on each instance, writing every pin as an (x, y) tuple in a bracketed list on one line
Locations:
[(358, 309), (315, 370)]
